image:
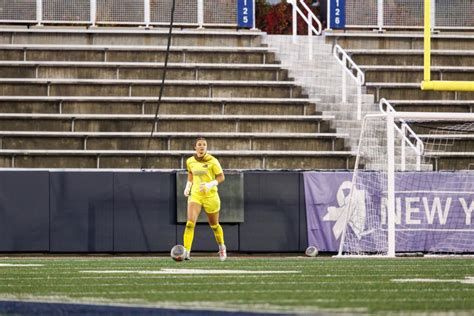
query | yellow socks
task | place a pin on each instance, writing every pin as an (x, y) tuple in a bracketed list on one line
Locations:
[(218, 233), (188, 235)]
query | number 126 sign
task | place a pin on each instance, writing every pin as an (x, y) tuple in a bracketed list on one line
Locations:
[(338, 14)]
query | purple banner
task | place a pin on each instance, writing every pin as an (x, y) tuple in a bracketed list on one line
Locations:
[(433, 211)]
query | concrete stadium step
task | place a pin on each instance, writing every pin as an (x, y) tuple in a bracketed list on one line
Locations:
[(389, 73), (348, 115), (165, 123), (438, 127), (348, 123), (147, 105), (411, 57), (453, 160), (433, 105), (397, 40), (182, 88), (337, 98), (174, 159), (128, 36), (135, 53), (170, 141), (344, 107), (140, 71), (412, 91), (398, 167), (457, 142)]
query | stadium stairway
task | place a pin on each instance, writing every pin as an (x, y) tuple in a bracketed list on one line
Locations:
[(393, 66), (86, 98), (321, 78)]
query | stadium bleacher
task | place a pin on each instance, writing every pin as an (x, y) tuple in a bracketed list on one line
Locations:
[(393, 66), (78, 98)]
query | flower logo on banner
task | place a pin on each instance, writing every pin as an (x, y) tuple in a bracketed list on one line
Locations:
[(340, 213)]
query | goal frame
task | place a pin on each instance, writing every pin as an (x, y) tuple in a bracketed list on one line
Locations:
[(391, 117)]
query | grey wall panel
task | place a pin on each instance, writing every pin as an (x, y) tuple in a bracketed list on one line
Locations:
[(272, 209), (145, 211), (204, 239), (24, 211), (231, 194), (81, 211)]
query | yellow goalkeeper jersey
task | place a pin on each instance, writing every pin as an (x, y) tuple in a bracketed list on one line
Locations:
[(203, 170)]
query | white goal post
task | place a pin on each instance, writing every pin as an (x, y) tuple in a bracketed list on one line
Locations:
[(405, 200)]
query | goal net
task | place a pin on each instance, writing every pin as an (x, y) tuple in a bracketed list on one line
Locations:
[(413, 186)]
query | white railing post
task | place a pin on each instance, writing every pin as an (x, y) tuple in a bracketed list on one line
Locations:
[(294, 19), (146, 12), (200, 13), (344, 79), (254, 22), (390, 184), (39, 12), (402, 156), (310, 40), (419, 146), (93, 7), (359, 96), (433, 15), (328, 16), (380, 14)]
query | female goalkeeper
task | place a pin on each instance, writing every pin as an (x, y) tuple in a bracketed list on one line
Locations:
[(204, 175)]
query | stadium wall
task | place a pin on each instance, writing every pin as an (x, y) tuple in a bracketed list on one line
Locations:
[(127, 212)]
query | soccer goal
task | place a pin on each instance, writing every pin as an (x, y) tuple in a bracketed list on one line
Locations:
[(413, 185)]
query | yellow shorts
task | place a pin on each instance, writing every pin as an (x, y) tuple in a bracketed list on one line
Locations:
[(210, 203)]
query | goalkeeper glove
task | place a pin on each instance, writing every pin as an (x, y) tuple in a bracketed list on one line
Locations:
[(187, 190), (208, 185)]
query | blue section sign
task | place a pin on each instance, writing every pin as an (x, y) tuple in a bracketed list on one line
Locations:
[(245, 13), (338, 14)]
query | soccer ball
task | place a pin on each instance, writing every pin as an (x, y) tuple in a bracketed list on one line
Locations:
[(178, 253), (311, 251)]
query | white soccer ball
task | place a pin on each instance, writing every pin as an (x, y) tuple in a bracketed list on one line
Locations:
[(178, 253), (311, 251)]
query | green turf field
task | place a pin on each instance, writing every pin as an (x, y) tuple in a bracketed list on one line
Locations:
[(281, 284)]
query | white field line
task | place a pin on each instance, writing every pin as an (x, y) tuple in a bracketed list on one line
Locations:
[(186, 284), (301, 276), (20, 265), (188, 271), (466, 280)]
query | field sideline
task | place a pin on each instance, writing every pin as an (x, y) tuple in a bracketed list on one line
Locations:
[(252, 284)]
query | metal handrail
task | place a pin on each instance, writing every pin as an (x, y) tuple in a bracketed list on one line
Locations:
[(419, 148), (348, 67), (309, 19)]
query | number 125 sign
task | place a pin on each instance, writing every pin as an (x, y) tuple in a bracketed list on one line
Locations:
[(245, 13)]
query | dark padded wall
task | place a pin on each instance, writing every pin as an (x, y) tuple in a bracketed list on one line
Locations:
[(145, 211), (81, 211), (24, 211), (272, 209)]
